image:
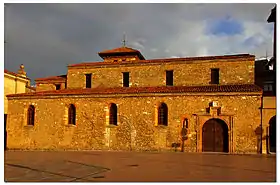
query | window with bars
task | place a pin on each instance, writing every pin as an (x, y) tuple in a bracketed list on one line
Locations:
[(113, 116), (72, 115), (125, 79), (31, 115), (162, 114), (88, 80), (169, 78), (215, 76)]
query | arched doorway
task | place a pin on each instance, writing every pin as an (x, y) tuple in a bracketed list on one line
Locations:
[(215, 136), (272, 134)]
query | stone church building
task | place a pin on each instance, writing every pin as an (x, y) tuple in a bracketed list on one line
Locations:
[(129, 103)]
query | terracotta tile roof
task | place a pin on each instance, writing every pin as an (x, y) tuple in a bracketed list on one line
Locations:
[(132, 90), (121, 51), (166, 60), (14, 74), (52, 78)]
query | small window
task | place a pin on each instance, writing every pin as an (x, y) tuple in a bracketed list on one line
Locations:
[(57, 86), (88, 80), (113, 119), (214, 76), (72, 115), (125, 79), (162, 114), (31, 115), (186, 123), (169, 78)]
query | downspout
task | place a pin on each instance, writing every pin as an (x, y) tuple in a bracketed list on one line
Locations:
[(261, 108)]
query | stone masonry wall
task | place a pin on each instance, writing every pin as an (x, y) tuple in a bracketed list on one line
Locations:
[(136, 128), (192, 73), (45, 87), (48, 86)]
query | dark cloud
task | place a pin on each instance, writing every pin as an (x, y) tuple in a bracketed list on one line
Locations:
[(48, 37)]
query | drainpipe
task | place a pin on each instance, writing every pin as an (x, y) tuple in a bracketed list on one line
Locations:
[(261, 108)]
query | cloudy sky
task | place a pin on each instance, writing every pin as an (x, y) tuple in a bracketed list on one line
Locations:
[(48, 37)]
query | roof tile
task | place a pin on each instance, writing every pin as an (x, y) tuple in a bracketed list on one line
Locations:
[(166, 60), (133, 90)]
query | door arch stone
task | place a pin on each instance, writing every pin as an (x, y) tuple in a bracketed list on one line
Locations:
[(215, 136)]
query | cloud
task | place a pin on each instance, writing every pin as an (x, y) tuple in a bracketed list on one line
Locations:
[(48, 37)]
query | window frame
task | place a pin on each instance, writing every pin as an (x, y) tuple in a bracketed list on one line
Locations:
[(125, 79), (31, 115), (169, 77), (88, 80), (72, 114), (163, 114), (56, 86), (113, 114), (215, 76)]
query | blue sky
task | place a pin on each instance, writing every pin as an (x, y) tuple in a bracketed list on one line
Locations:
[(225, 26)]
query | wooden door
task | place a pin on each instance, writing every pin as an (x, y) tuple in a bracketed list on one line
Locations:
[(214, 136), (272, 134), (208, 136)]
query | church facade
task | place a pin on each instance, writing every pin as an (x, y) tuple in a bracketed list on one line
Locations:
[(203, 104)]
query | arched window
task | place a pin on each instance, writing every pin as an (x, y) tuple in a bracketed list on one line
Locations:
[(186, 123), (31, 115), (162, 114), (72, 115), (113, 120)]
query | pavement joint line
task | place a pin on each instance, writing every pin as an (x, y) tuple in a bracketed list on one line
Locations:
[(37, 170), (93, 166), (83, 177), (100, 169)]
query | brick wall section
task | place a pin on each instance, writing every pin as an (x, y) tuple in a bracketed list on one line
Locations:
[(234, 71), (136, 129)]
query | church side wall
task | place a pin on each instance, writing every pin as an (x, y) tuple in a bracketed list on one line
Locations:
[(136, 128), (196, 73)]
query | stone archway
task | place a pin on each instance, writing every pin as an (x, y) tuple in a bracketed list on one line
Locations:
[(215, 136), (272, 134)]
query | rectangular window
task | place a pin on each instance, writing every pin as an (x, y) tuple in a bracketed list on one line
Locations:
[(125, 79), (214, 76), (57, 86), (169, 78), (88, 80)]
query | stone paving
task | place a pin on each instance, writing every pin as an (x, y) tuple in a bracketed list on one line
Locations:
[(97, 166)]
